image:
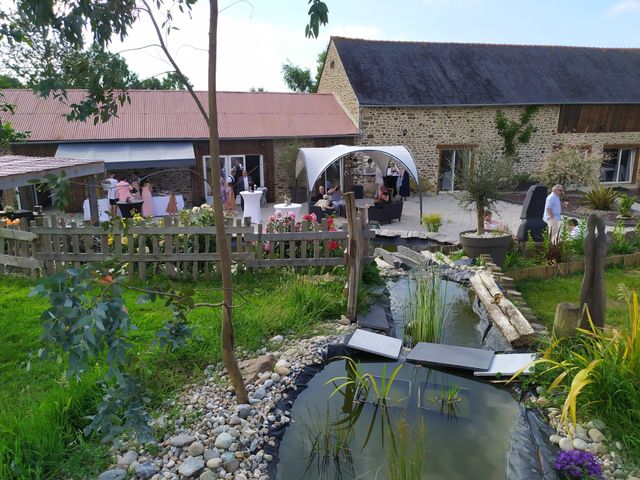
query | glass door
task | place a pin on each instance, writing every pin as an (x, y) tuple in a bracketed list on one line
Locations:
[(618, 167), (452, 165)]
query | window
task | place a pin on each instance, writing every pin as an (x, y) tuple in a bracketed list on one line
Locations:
[(452, 164), (618, 167)]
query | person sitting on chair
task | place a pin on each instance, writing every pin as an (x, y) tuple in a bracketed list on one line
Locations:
[(320, 194), (337, 198), (574, 229), (325, 203), (382, 197)]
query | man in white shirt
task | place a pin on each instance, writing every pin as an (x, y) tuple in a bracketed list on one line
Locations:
[(553, 211), (111, 182)]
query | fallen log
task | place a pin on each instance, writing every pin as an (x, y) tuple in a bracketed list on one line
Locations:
[(495, 313), (521, 324)]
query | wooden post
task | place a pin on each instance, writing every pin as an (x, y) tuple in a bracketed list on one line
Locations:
[(353, 256), (566, 319), (93, 200)]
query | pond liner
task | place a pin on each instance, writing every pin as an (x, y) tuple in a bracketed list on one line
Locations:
[(301, 383), (530, 456)]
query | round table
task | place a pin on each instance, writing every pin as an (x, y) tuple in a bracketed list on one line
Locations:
[(285, 209), (252, 206)]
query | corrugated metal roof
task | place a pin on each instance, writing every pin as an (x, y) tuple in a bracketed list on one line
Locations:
[(389, 73), (170, 114), (18, 170)]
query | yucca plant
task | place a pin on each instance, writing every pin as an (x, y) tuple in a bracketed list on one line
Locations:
[(601, 197)]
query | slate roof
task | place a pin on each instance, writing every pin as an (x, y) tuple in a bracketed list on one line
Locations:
[(173, 115), (385, 73)]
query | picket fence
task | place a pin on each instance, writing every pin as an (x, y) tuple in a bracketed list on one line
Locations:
[(52, 244)]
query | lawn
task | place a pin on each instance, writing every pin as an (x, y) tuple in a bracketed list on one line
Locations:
[(41, 411), (543, 295)]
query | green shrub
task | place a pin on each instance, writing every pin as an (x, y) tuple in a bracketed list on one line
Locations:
[(625, 202), (432, 222), (571, 166), (601, 197)]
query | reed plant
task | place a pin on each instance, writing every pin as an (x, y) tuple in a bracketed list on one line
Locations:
[(598, 371), (427, 308), (329, 446), (406, 460)]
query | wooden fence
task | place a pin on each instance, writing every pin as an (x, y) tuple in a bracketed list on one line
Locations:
[(18, 250), (52, 245), (567, 268)]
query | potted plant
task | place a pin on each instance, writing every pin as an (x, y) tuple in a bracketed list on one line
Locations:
[(484, 179)]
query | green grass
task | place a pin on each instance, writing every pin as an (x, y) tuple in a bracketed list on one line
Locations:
[(543, 295), (41, 412)]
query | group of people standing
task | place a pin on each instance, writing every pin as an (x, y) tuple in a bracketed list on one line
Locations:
[(231, 186), (395, 182), (119, 190)]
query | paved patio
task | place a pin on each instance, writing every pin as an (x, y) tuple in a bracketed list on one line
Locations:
[(454, 218)]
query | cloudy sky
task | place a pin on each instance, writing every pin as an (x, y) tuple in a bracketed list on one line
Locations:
[(255, 38)]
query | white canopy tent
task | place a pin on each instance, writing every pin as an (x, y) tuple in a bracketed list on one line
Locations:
[(317, 160)]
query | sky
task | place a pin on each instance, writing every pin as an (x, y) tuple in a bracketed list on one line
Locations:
[(255, 38)]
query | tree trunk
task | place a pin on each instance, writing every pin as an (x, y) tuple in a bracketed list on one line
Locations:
[(480, 217), (228, 356)]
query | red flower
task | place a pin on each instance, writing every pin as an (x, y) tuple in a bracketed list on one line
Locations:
[(333, 245), (307, 216), (330, 221), (107, 279)]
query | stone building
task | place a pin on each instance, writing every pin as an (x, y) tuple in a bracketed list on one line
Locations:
[(161, 133), (440, 100)]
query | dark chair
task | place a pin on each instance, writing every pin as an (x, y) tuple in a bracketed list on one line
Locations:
[(320, 214), (386, 212)]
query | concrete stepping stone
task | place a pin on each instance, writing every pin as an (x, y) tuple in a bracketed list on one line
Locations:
[(375, 319), (451, 356), (375, 343), (506, 364)]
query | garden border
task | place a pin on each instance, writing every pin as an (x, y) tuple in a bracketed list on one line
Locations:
[(567, 268)]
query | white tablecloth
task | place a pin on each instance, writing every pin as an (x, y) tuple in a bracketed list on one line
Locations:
[(159, 207), (252, 206), (285, 209)]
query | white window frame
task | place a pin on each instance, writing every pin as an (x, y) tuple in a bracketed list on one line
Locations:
[(634, 151)]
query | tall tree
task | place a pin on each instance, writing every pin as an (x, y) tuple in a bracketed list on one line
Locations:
[(299, 79), (104, 20)]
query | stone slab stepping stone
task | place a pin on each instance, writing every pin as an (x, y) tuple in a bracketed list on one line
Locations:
[(375, 343), (375, 319), (506, 364), (451, 356)]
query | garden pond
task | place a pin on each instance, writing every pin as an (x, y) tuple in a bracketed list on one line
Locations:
[(454, 425)]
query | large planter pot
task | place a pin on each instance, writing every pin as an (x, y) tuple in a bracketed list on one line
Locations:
[(497, 246)]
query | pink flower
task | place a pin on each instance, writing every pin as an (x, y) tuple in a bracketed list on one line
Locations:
[(278, 214), (272, 218), (267, 246), (306, 216), (314, 218), (292, 215), (329, 221)]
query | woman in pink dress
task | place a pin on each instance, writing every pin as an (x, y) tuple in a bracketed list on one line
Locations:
[(230, 203), (147, 199), (123, 191)]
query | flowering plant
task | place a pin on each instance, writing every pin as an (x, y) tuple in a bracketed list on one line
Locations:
[(201, 216), (578, 465)]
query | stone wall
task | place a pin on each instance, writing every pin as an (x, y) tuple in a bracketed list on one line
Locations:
[(425, 131), (334, 80), (175, 180)]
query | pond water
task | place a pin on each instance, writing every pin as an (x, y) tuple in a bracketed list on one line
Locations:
[(470, 439), (459, 426)]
